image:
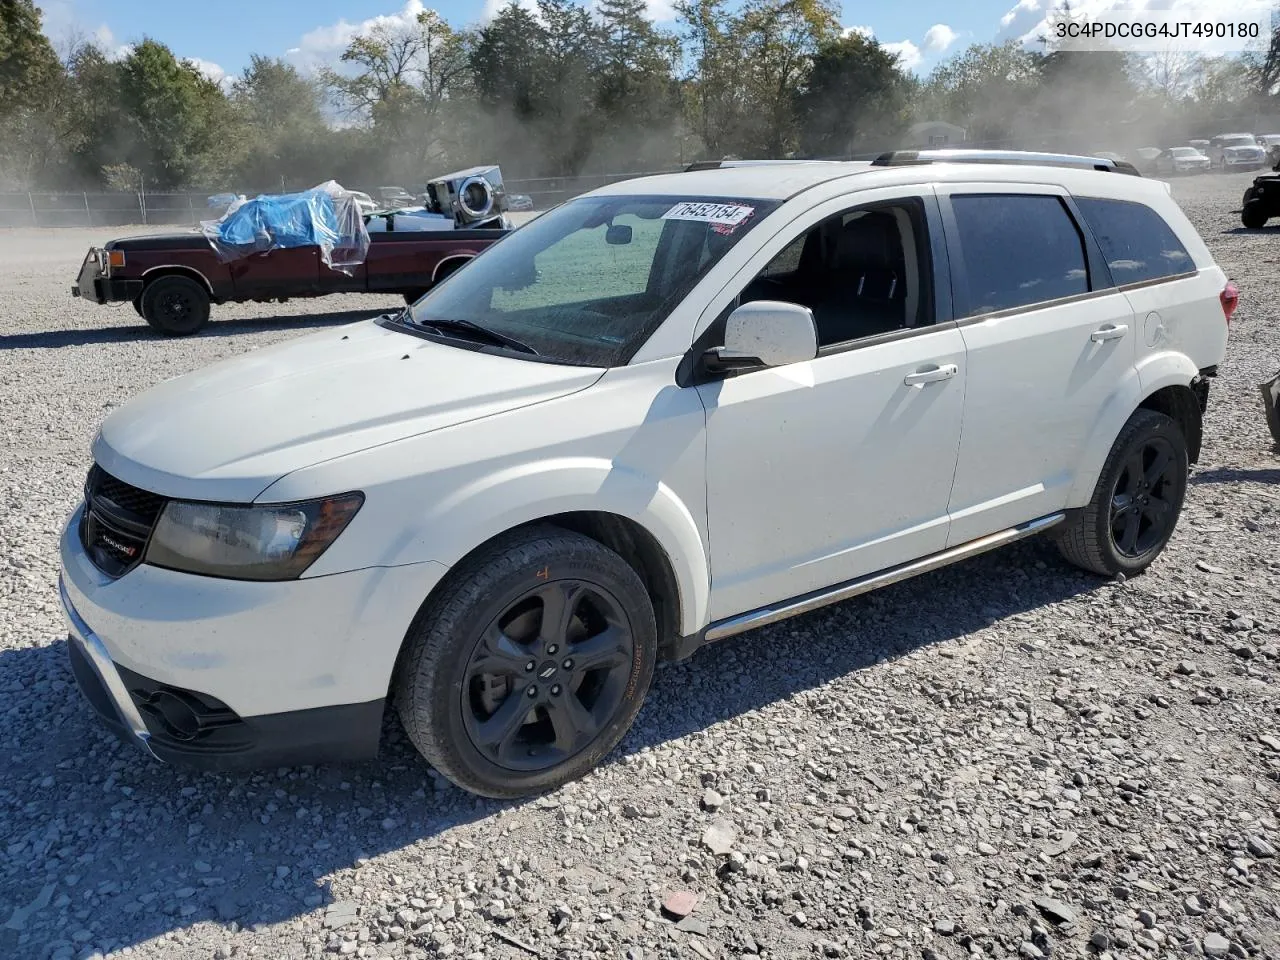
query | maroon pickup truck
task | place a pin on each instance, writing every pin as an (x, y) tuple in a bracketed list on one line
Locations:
[(171, 279)]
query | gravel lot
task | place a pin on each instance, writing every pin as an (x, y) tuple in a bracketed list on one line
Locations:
[(1007, 758)]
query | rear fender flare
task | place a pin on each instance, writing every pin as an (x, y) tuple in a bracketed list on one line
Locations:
[(1151, 374)]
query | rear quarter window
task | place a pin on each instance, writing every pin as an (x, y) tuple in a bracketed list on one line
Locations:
[(1137, 243)]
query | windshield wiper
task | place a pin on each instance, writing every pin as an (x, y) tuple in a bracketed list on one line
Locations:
[(476, 332)]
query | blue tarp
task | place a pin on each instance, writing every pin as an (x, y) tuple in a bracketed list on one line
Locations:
[(326, 217)]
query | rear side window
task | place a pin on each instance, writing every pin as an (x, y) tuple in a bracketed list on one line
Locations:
[(1018, 250), (1135, 240)]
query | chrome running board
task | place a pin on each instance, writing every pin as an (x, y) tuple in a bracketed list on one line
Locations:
[(852, 588)]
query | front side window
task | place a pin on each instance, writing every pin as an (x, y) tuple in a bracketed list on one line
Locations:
[(1136, 242), (862, 273), (1018, 250), (588, 282)]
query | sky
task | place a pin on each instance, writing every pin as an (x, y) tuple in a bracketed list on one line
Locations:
[(218, 37)]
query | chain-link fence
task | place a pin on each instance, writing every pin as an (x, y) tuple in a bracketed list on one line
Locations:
[(100, 209)]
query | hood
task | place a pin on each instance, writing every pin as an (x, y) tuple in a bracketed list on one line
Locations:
[(190, 240), (1243, 149), (230, 430)]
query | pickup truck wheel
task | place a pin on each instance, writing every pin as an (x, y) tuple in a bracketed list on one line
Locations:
[(1253, 215), (1137, 501), (530, 665), (413, 296), (137, 305), (175, 306)]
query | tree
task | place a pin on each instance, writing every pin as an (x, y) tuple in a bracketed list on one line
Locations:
[(987, 89), (714, 102), (855, 98), (778, 39), (32, 82), (636, 94), (167, 115), (284, 126)]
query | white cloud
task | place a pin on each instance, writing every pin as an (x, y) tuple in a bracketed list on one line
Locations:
[(909, 55), (323, 46), (211, 70), (938, 38)]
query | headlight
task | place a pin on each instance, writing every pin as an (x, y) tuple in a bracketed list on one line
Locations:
[(267, 542)]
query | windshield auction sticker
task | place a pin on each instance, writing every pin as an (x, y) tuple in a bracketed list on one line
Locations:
[(722, 214)]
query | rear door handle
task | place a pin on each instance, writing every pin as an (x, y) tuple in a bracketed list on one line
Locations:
[(931, 375), (1112, 331)]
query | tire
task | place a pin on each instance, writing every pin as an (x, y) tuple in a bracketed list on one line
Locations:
[(137, 304), (175, 306), (489, 614), (413, 296), (1253, 216), (1089, 538)]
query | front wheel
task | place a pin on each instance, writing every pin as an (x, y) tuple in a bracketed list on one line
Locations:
[(1136, 502), (1253, 215), (175, 306), (530, 665)]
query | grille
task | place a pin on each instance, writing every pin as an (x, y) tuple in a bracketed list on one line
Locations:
[(117, 522)]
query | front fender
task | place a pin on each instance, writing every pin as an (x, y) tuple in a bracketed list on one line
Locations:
[(497, 502), (1152, 373)]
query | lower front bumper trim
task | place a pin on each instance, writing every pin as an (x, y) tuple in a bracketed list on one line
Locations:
[(94, 654)]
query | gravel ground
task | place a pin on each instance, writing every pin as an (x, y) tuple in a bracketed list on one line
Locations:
[(1006, 758)]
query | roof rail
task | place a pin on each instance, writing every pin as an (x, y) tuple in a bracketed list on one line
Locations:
[(721, 164), (902, 158)]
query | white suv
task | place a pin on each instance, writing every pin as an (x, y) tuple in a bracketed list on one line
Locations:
[(660, 414)]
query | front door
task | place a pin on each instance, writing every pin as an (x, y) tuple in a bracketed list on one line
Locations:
[(827, 470), (280, 272), (1048, 338)]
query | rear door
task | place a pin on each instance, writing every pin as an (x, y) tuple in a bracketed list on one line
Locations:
[(1048, 337), (1175, 305)]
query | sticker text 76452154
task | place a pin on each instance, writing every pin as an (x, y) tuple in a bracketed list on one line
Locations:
[(727, 214)]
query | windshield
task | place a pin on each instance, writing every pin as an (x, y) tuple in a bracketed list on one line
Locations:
[(1185, 152), (587, 282), (1243, 141)]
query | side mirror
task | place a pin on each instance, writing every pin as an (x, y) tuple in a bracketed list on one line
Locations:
[(618, 235), (768, 333)]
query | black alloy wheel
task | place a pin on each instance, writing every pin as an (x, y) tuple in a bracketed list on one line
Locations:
[(528, 663), (1136, 500), (546, 675), (1143, 510)]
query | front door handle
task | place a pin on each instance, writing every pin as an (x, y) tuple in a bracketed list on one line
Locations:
[(1112, 331), (931, 375)]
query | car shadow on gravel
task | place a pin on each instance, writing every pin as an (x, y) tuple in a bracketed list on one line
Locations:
[(141, 849), (1233, 475), (48, 339)]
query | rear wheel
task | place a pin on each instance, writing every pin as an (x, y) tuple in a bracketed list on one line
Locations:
[(530, 665), (1137, 500), (413, 296), (1253, 215), (175, 306)]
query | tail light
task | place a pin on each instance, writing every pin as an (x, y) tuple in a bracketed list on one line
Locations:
[(1230, 298)]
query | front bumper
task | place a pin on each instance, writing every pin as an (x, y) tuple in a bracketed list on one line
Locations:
[(230, 674), (92, 284), (1251, 162)]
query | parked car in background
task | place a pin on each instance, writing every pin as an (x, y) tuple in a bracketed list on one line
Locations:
[(1201, 145), (661, 414), (396, 197), (519, 201), (1181, 160), (1236, 151), (1144, 158), (364, 202)]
